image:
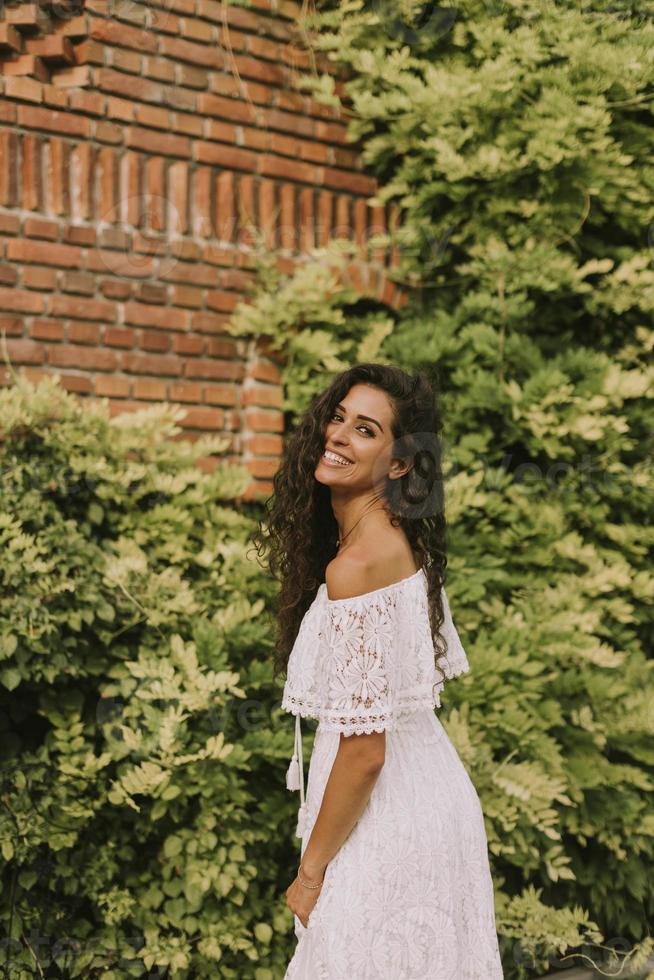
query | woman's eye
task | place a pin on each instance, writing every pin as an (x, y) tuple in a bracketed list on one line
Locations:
[(365, 428)]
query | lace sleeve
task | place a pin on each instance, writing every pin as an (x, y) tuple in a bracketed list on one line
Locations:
[(361, 665)]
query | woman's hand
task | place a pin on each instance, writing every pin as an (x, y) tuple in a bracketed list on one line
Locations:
[(301, 900)]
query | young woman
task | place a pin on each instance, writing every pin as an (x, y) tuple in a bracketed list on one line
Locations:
[(394, 880)]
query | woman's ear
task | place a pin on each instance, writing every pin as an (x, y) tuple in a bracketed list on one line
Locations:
[(399, 467)]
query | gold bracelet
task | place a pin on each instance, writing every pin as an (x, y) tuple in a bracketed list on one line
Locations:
[(300, 874)]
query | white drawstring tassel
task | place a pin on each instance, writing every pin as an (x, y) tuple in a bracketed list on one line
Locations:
[(294, 775)]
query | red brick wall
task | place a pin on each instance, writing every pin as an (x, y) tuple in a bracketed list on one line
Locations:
[(146, 151)]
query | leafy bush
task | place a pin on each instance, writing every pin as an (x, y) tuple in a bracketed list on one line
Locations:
[(515, 140), (144, 816)]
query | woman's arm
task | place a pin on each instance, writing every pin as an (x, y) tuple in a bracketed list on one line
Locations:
[(356, 768)]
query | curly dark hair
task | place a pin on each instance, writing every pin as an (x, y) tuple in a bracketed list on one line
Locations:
[(299, 532)]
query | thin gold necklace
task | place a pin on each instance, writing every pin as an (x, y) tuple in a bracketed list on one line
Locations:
[(341, 540)]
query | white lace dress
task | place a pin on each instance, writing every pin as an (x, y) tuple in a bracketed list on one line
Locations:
[(409, 894)]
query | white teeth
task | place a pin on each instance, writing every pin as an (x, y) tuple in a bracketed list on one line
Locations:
[(335, 459)]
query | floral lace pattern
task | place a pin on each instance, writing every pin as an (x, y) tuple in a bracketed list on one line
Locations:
[(360, 664), (409, 894)]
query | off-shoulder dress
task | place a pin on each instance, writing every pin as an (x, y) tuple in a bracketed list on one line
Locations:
[(409, 894)]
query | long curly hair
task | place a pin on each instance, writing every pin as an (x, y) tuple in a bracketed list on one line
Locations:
[(298, 534)]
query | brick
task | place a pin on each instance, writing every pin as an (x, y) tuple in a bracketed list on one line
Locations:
[(155, 210), (220, 394), (62, 123), (118, 83), (107, 175), (267, 445), (37, 278), (287, 232), (115, 289), (108, 132), (160, 69), (8, 275), (78, 383), (192, 76), (84, 333), (190, 125), (31, 172), (40, 228), (10, 39), (225, 216), (24, 88), (179, 198), (155, 116), (262, 420), (121, 35), (74, 27), (11, 325), (79, 77), (44, 253), (149, 292), (89, 103), (8, 169), (268, 213), (81, 168), (151, 340), (124, 261), (222, 347), (208, 322), (127, 61), (27, 17), (149, 389), (181, 98), (121, 109), (221, 155), (47, 330), (265, 396), (26, 65), (223, 132), (72, 355), (231, 110), (202, 368), (247, 219), (264, 371), (79, 235), (325, 217), (81, 308), (222, 301), (9, 224), (187, 296), (54, 48), (183, 344), (159, 365), (167, 144), (198, 30), (262, 467), (307, 220), (203, 418), (119, 337), (78, 282), (130, 183), (184, 391), (108, 386), (57, 170), (142, 315), (25, 351), (211, 56), (201, 203)]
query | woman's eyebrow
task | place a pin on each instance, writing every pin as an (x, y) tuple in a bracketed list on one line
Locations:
[(365, 417)]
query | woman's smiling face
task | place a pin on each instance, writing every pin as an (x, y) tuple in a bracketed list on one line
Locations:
[(358, 440)]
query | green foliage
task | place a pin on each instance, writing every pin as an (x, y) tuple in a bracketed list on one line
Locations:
[(516, 138), (142, 754), (317, 323)]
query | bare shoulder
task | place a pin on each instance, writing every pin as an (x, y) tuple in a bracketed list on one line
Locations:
[(355, 573)]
